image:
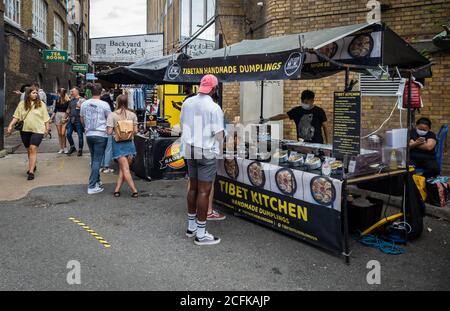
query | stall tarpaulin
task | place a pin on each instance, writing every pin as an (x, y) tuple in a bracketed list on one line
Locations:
[(365, 45), (146, 71)]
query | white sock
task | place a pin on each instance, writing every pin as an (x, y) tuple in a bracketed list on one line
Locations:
[(201, 229), (192, 225)]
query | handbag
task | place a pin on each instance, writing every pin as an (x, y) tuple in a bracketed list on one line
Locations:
[(124, 130), (19, 125)]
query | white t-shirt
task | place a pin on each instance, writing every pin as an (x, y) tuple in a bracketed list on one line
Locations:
[(95, 113), (201, 119)]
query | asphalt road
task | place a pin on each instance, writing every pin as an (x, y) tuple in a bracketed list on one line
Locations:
[(150, 252)]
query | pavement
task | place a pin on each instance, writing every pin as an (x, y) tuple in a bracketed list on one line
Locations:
[(149, 251)]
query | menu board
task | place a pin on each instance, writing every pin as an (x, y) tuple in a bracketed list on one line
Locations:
[(347, 124)]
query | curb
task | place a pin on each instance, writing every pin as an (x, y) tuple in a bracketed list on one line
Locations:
[(430, 210)]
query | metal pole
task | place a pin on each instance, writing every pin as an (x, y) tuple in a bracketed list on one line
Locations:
[(2, 78), (347, 77), (345, 222), (409, 125), (261, 117)]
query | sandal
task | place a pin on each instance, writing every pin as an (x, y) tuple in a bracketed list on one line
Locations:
[(30, 176), (135, 195), (116, 194)]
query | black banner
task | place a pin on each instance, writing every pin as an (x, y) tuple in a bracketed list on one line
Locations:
[(316, 224), (275, 66), (347, 123)]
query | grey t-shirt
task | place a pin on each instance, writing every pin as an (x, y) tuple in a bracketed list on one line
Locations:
[(95, 113)]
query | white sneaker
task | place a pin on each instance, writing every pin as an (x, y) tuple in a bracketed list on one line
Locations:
[(208, 239), (61, 151), (108, 171), (95, 190), (100, 185)]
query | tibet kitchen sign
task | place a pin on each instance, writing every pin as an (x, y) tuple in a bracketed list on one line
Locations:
[(126, 49)]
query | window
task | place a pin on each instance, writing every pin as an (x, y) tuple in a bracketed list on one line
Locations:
[(12, 11), (40, 12), (198, 15), (185, 18), (58, 33), (194, 15), (71, 44)]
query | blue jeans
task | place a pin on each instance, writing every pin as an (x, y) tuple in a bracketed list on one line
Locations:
[(108, 153), (80, 130), (97, 146)]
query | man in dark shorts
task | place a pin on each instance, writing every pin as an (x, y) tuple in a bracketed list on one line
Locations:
[(203, 129)]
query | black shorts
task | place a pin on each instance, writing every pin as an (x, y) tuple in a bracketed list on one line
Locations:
[(29, 138)]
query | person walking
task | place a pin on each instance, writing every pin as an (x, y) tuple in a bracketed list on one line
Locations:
[(106, 162), (201, 149), (34, 119), (93, 115), (123, 147), (60, 118), (74, 122)]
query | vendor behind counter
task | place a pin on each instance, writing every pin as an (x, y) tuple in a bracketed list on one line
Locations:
[(309, 119)]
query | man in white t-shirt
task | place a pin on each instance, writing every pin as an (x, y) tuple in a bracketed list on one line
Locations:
[(202, 126), (94, 113)]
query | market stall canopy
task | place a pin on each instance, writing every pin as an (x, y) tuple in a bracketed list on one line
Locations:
[(147, 71), (308, 55)]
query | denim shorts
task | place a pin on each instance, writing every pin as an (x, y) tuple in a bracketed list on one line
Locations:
[(123, 149)]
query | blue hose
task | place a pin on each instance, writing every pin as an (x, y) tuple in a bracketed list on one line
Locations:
[(375, 242)]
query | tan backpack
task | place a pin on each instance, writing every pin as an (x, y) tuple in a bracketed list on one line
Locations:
[(124, 130)]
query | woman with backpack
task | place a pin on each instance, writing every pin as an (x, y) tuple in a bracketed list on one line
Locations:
[(32, 120), (123, 124), (60, 118)]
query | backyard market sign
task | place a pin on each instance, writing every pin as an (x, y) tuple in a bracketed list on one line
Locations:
[(55, 56)]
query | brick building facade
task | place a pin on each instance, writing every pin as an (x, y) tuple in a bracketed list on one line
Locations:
[(414, 20), (29, 31)]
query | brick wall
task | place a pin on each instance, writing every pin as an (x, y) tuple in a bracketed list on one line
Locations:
[(24, 64), (411, 19)]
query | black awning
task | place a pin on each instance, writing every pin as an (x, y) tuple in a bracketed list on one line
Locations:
[(309, 55)]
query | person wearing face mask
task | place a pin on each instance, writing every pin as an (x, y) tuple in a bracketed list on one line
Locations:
[(309, 119), (422, 145)]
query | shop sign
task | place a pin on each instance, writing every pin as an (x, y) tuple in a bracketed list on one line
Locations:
[(173, 158), (347, 124), (54, 56), (91, 76), (275, 66), (81, 68), (295, 202)]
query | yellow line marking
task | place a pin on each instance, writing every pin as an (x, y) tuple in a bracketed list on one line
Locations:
[(100, 239), (61, 165)]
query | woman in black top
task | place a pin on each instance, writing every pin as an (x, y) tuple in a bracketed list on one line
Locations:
[(60, 117), (422, 145)]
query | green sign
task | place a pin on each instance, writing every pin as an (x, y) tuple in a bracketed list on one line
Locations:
[(82, 68), (53, 56)]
